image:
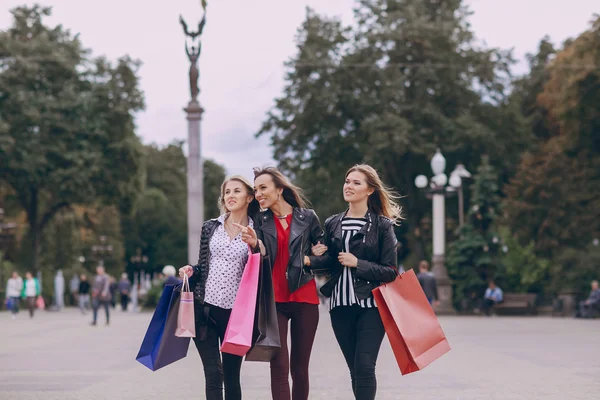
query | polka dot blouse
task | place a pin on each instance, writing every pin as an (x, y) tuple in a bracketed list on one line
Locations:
[(226, 266)]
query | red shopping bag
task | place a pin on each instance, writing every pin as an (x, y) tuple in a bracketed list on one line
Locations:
[(238, 336), (412, 328), (186, 323)]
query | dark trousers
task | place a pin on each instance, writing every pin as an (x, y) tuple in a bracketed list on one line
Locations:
[(487, 306), (218, 367), (96, 304), (304, 319), (359, 332), (30, 302), (587, 310), (124, 301)]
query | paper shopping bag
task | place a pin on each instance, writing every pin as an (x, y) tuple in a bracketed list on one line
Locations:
[(266, 341), (160, 346), (238, 335), (186, 323), (411, 325)]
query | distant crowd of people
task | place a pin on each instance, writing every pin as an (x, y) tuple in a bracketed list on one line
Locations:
[(104, 291)]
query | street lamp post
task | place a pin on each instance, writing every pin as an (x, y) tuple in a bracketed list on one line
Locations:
[(138, 261), (438, 192), (102, 249), (456, 179)]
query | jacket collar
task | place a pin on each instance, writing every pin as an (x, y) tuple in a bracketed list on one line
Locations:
[(298, 225), (370, 216)]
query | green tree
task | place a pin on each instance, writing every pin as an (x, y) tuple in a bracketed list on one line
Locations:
[(407, 79), (525, 271), (158, 225), (527, 89), (66, 123), (474, 258), (554, 199)]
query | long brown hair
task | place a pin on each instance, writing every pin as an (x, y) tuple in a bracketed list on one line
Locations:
[(291, 193), (383, 200), (253, 207)]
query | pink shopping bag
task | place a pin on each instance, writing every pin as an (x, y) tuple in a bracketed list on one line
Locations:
[(186, 324), (238, 336), (40, 303)]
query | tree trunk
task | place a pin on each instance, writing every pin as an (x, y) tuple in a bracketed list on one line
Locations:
[(34, 226)]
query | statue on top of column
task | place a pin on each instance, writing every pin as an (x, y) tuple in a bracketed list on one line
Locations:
[(193, 51)]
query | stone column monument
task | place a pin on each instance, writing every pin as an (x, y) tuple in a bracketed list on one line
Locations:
[(195, 171)]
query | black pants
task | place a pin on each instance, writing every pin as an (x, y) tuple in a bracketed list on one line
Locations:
[(218, 367), (359, 332), (96, 303), (30, 302), (487, 305), (304, 319), (124, 301), (587, 310)]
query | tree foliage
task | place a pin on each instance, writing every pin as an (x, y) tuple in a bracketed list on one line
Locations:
[(158, 225), (554, 199), (66, 122), (409, 77), (475, 257)]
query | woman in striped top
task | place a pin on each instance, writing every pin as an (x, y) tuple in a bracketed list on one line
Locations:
[(360, 254)]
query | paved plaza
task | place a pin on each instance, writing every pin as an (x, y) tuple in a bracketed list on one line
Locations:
[(60, 356)]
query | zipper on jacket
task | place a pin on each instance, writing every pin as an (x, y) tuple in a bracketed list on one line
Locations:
[(368, 227)]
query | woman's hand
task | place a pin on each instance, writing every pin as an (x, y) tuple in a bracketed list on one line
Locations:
[(248, 235), (187, 270), (348, 259), (318, 249)]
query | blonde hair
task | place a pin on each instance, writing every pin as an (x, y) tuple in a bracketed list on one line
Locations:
[(291, 193), (253, 207), (383, 200)]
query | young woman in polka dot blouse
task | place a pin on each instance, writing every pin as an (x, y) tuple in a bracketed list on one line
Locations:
[(215, 279)]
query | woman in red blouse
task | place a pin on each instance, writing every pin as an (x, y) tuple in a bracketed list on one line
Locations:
[(288, 230)]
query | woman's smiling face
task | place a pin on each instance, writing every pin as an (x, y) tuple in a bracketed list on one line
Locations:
[(265, 191)]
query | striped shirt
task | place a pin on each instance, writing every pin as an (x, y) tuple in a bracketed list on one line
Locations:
[(343, 292)]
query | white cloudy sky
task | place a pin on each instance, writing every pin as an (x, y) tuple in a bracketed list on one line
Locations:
[(244, 46)]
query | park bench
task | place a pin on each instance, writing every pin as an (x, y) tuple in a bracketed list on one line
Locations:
[(517, 303)]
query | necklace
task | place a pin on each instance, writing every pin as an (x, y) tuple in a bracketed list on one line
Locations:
[(231, 230), (282, 216)]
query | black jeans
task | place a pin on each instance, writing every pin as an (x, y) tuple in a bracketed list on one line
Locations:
[(487, 305), (217, 371), (96, 303), (124, 301), (359, 332), (304, 319)]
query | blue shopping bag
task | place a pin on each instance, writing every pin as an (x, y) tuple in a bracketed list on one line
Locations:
[(160, 346), (9, 304)]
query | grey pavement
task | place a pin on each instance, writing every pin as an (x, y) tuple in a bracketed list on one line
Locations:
[(58, 355)]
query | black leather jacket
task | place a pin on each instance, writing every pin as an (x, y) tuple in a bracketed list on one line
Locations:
[(198, 279), (374, 246), (305, 232)]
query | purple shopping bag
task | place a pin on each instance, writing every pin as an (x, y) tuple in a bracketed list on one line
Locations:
[(238, 336), (160, 346)]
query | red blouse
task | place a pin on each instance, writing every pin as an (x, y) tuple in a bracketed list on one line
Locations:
[(304, 294)]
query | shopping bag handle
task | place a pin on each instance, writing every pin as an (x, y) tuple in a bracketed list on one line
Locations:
[(186, 284)]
